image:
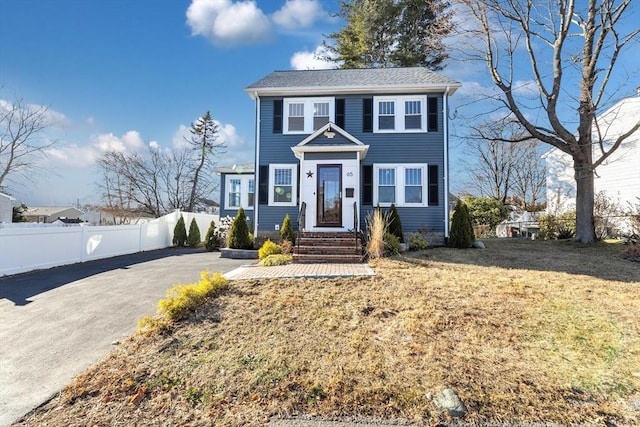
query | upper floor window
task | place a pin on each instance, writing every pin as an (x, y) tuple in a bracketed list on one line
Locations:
[(400, 114), (306, 115)]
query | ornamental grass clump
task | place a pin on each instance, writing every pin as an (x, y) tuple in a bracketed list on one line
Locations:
[(377, 225)]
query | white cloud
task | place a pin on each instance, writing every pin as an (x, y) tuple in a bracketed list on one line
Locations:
[(154, 145), (180, 136), (306, 60), (72, 155), (51, 118), (296, 14), (224, 22), (130, 142)]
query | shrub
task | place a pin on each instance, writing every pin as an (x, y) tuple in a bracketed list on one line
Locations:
[(461, 235), (558, 227), (239, 233), (269, 248), (417, 242), (223, 228), (286, 230), (486, 211), (377, 226), (392, 244), (632, 253), (605, 216), (395, 225), (180, 233), (193, 240), (286, 246), (181, 299), (275, 260), (212, 240)]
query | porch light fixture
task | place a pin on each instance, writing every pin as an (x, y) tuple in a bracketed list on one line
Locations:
[(329, 133)]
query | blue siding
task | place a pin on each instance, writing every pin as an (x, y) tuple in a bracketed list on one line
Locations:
[(426, 147)]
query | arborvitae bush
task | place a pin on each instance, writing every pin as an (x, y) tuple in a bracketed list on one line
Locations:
[(461, 235), (212, 240), (239, 233), (286, 230), (193, 239), (395, 225), (180, 233)]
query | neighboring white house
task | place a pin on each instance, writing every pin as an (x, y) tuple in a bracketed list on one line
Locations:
[(49, 214), (6, 208), (618, 177)]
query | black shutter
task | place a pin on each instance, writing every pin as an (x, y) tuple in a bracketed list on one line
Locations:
[(367, 115), (277, 116), (433, 185), (340, 113), (367, 184), (263, 186), (432, 115)]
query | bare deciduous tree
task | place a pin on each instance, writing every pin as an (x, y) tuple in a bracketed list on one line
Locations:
[(21, 138), (571, 50)]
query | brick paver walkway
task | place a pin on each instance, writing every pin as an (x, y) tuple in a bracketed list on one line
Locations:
[(300, 270)]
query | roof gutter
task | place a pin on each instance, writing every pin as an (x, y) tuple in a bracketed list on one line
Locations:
[(445, 115), (256, 175)]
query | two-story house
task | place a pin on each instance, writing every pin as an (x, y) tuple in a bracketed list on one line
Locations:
[(333, 144)]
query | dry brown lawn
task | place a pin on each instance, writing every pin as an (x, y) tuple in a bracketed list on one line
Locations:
[(523, 331)]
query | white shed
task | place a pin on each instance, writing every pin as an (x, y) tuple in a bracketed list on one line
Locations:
[(6, 208)]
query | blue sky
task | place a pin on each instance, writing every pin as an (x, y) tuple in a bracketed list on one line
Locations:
[(122, 74)]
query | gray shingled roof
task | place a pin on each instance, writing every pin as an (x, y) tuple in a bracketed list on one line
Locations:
[(351, 80)]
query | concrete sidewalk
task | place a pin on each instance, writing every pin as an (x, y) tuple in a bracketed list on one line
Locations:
[(56, 323)]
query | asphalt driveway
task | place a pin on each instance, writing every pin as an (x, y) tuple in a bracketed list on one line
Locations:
[(55, 323)]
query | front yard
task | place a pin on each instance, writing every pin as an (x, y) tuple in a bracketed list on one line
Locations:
[(524, 331)]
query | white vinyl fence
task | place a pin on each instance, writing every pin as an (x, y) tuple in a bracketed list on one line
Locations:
[(31, 248)]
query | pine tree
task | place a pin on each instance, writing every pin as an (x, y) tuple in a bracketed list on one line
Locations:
[(286, 230), (395, 225), (180, 233), (193, 240), (211, 239), (461, 235), (391, 33), (239, 232)]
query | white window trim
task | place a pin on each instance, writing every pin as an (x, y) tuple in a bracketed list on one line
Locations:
[(244, 191), (400, 177), (294, 183), (399, 113), (308, 114)]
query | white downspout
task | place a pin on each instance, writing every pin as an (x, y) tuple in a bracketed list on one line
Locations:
[(256, 167), (445, 116)]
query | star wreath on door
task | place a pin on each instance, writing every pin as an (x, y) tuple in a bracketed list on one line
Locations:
[(309, 174)]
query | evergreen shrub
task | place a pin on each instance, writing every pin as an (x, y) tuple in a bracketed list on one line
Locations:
[(193, 239), (239, 233), (395, 225), (461, 235), (212, 240), (180, 233), (269, 248), (286, 230)]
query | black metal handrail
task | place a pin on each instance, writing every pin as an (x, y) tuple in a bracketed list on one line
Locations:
[(301, 223), (355, 224)]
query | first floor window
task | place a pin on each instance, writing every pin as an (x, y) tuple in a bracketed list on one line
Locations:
[(413, 185), (234, 192), (386, 185), (240, 191), (403, 185), (282, 185)]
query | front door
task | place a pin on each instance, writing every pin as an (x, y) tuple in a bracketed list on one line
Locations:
[(329, 196)]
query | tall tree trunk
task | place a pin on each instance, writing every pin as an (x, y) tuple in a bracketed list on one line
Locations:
[(585, 230)]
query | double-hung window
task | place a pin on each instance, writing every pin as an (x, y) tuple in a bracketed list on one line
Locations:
[(306, 115), (295, 120), (282, 185), (400, 114), (240, 191), (401, 184)]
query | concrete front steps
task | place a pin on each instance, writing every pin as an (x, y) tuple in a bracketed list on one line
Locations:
[(330, 247)]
